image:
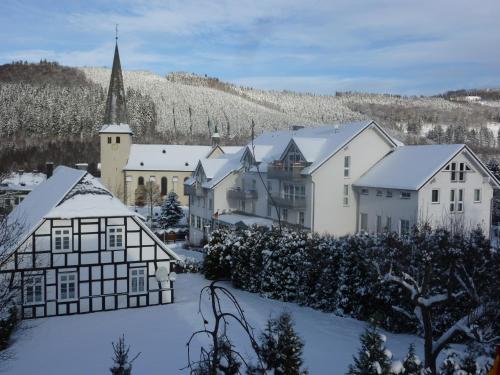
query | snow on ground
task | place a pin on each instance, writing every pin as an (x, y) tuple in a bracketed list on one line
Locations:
[(81, 344), (194, 253)]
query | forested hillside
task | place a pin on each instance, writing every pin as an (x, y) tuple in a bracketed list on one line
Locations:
[(51, 112)]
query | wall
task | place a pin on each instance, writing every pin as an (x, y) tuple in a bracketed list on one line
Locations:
[(114, 157), (330, 214), (473, 214), (396, 208), (103, 275)]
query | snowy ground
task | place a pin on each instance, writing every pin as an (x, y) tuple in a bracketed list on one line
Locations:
[(82, 344)]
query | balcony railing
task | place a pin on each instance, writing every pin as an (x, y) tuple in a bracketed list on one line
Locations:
[(282, 171), (242, 194), (194, 189), (289, 202)]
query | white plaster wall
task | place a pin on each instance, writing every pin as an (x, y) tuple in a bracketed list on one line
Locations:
[(473, 214), (330, 214)]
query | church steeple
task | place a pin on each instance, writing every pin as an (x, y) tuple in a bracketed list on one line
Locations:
[(116, 106)]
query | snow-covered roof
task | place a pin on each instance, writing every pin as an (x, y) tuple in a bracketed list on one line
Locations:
[(114, 128), (25, 181), (165, 157), (220, 167), (231, 149), (409, 167), (233, 219), (44, 198), (89, 198)]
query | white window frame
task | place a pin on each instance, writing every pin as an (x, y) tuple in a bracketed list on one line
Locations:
[(136, 274), (457, 200), (113, 233), (361, 216), (405, 195), (401, 227), (32, 282), (388, 224), (379, 224), (460, 200), (284, 214), (479, 194), (438, 196), (347, 166), (388, 194), (67, 278), (65, 235), (301, 218), (379, 193), (345, 199)]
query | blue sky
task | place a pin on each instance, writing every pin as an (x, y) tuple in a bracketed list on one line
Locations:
[(393, 46)]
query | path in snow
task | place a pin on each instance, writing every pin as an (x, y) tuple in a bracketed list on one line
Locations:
[(81, 344)]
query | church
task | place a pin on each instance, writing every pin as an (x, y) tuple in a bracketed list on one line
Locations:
[(126, 167)]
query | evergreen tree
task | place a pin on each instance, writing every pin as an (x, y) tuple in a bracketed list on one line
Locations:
[(373, 357), (281, 348), (412, 364), (171, 211), (122, 365)]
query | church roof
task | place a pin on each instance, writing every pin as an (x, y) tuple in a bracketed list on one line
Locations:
[(116, 106), (116, 129)]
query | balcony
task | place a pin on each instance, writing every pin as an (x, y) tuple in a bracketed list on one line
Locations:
[(281, 171), (194, 189), (238, 194), (295, 202)]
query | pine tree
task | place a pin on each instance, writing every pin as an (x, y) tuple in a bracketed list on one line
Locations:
[(122, 364), (171, 211), (412, 364), (373, 358), (281, 347)]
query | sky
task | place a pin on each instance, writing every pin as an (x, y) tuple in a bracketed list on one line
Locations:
[(385, 46)]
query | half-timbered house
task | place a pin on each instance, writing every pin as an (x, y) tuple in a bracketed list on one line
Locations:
[(81, 250)]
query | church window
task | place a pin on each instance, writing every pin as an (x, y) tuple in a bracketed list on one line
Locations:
[(109, 139), (163, 186), (140, 181), (117, 139)]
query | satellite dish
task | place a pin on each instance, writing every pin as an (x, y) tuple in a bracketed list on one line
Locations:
[(161, 274)]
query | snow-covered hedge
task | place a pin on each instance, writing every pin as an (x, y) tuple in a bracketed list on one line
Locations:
[(343, 275)]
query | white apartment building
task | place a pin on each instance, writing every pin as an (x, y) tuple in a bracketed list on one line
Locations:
[(339, 180)]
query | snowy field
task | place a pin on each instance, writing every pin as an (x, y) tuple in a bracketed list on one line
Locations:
[(81, 344)]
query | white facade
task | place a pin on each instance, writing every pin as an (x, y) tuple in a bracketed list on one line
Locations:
[(338, 180)]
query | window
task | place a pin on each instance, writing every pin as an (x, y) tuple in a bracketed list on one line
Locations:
[(62, 239), (404, 227), (456, 200), (192, 221), (364, 191), (284, 214), (388, 194), (117, 139), (453, 171), (461, 173), (347, 165), (67, 286), (210, 203), (140, 181), (435, 196), (346, 195), (379, 193), (460, 201), (115, 237), (405, 195), (269, 210), (137, 280), (301, 218), (477, 195), (379, 224), (33, 289), (109, 140), (388, 224), (364, 222), (198, 222), (163, 184)]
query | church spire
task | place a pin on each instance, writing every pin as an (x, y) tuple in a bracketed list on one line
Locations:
[(116, 106)]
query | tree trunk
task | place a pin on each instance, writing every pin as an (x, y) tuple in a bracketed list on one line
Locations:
[(430, 358)]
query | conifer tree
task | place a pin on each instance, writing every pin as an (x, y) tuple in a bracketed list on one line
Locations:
[(412, 364), (171, 211), (281, 347), (373, 358), (122, 364)]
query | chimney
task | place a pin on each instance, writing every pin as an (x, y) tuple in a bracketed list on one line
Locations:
[(49, 169)]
